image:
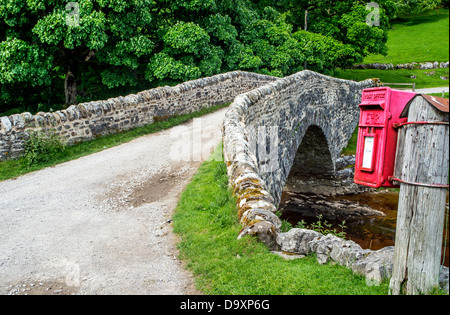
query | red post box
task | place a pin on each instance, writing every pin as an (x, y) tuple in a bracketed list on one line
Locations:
[(380, 109)]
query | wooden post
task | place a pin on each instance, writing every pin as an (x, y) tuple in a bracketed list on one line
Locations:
[(422, 158)]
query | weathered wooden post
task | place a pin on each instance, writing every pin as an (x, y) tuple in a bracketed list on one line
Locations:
[(422, 168)]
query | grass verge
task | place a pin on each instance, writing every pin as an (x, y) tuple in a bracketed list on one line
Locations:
[(206, 221), (446, 95), (13, 168)]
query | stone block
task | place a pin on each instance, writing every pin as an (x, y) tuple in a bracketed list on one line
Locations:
[(322, 246), (265, 231), (346, 253), (260, 214), (6, 124), (297, 241)]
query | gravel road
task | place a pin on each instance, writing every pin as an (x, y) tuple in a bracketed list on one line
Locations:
[(102, 224), (433, 90)]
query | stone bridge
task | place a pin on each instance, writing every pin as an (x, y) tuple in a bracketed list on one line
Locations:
[(291, 132), (294, 126), (280, 132), (286, 133)]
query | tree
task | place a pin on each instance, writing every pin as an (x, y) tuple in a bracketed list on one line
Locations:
[(110, 38), (58, 51), (417, 6), (344, 21)]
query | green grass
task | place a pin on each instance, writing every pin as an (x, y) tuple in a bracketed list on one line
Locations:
[(398, 76), (351, 146), (419, 38), (446, 95), (206, 221), (13, 168)]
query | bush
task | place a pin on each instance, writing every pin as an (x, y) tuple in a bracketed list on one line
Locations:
[(41, 146)]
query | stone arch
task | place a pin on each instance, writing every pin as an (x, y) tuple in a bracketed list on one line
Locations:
[(312, 167)]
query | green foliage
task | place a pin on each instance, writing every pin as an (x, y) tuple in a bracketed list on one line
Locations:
[(130, 43), (38, 47), (186, 38), (207, 224), (24, 68), (41, 146), (53, 30), (417, 6), (325, 54), (163, 66), (285, 226), (23, 62), (324, 227), (320, 226)]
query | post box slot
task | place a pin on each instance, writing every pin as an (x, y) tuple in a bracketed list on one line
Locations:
[(373, 105)]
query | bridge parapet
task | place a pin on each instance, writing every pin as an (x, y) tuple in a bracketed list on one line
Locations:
[(262, 135)]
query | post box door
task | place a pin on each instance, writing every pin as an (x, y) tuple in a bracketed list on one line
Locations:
[(369, 150), (369, 156), (371, 137)]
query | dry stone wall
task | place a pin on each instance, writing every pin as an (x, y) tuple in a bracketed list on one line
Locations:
[(87, 121), (412, 65)]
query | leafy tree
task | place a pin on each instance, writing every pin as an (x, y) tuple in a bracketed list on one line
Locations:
[(63, 52), (344, 21), (109, 39), (417, 6)]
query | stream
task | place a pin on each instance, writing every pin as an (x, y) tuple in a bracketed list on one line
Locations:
[(370, 217)]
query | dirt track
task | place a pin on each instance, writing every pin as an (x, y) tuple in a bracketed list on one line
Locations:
[(101, 224)]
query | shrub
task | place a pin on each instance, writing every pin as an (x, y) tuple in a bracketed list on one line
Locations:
[(42, 145)]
